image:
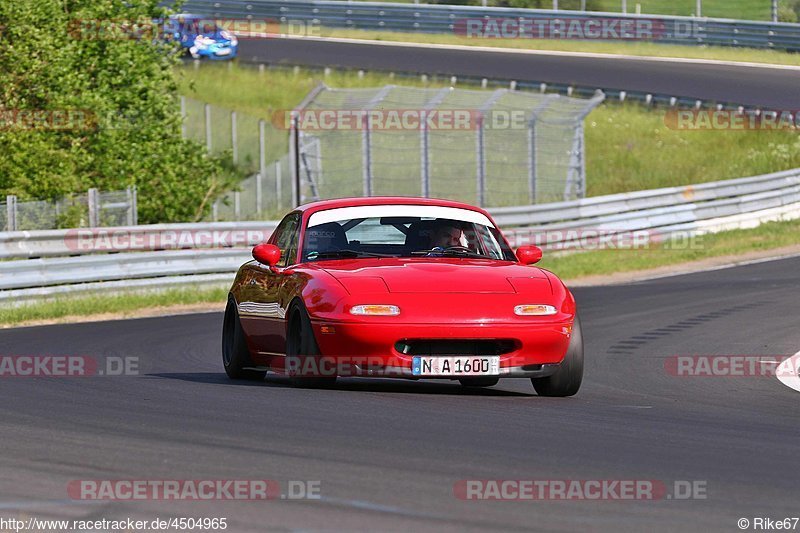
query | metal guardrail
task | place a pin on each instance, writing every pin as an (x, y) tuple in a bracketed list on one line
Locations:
[(214, 251), (429, 18), (82, 241)]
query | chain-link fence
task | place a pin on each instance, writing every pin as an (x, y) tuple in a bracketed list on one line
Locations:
[(258, 148), (91, 209), (491, 148)]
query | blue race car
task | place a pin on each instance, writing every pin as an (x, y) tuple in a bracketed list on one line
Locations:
[(200, 36)]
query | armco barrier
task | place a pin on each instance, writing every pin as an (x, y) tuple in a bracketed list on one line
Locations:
[(426, 18), (60, 267)]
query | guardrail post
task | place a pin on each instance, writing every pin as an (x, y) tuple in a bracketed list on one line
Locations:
[(207, 109), (94, 208), (11, 213), (234, 143)]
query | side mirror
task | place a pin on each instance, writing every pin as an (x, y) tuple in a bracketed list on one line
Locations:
[(267, 254), (528, 255)]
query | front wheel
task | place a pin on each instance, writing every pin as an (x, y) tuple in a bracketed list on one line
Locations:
[(567, 380), (235, 355), (303, 353)]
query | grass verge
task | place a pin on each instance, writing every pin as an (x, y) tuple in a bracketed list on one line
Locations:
[(113, 305)]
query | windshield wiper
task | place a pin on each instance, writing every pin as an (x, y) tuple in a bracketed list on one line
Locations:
[(343, 254), (455, 251)]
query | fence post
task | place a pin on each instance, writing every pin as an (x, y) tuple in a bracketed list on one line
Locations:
[(130, 215), (576, 172), (262, 164), (234, 143), (135, 208), (215, 211), (207, 109), (366, 156), (94, 208), (278, 184), (532, 171), (237, 206), (582, 187), (259, 193), (183, 117), (481, 159), (294, 159), (11, 213), (424, 164)]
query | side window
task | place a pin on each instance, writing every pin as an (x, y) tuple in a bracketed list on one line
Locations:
[(285, 238)]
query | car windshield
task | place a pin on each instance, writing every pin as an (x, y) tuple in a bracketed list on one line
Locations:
[(416, 231)]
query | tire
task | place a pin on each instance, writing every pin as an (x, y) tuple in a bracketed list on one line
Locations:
[(300, 342), (235, 354), (488, 381), (567, 380)]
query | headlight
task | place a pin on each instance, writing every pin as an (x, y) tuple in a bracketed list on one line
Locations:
[(534, 310), (375, 310)]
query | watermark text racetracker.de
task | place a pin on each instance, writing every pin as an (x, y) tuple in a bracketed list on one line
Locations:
[(402, 119), (732, 120), (594, 28), (579, 489), (193, 489), (162, 29), (730, 366), (66, 366), (125, 239), (587, 239)]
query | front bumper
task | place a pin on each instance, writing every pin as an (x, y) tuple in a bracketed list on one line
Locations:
[(369, 349), (528, 371)]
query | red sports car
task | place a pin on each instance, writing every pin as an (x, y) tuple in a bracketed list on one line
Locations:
[(400, 287)]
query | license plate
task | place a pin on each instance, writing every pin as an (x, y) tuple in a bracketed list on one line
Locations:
[(466, 365)]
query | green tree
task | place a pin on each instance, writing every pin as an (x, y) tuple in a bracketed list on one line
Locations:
[(75, 58)]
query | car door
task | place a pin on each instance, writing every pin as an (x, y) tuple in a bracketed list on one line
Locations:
[(263, 303)]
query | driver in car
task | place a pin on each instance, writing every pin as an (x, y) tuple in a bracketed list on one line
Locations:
[(446, 235)]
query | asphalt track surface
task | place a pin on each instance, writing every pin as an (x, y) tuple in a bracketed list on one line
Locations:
[(388, 453), (771, 88)]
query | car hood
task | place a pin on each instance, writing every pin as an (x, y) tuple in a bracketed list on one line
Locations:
[(439, 275)]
